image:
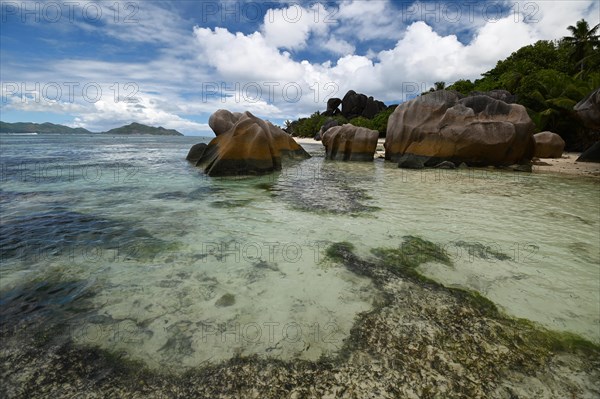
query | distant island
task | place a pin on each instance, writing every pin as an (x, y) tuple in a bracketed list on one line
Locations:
[(139, 129), (136, 129)]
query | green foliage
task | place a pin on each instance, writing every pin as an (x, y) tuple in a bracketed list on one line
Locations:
[(583, 43), (550, 96), (361, 121), (309, 127), (381, 119), (462, 86)]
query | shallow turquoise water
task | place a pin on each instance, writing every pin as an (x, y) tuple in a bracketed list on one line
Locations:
[(186, 269)]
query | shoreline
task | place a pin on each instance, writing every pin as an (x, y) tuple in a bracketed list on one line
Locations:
[(566, 165)]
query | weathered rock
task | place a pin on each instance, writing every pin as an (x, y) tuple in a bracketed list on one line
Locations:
[(350, 143), (548, 145), (372, 108), (222, 120), (251, 146), (332, 106), (478, 130), (588, 110), (326, 126), (411, 161), (502, 95), (592, 154), (353, 104), (196, 152)]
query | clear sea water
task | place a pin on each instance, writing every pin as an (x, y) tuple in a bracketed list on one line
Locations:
[(188, 270)]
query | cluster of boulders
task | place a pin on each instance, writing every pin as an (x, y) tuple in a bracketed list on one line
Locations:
[(442, 129), (354, 104)]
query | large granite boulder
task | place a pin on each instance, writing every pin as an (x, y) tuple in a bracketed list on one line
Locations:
[(548, 145), (588, 110), (350, 143), (478, 130), (251, 146)]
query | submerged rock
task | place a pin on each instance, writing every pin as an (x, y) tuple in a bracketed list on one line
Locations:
[(350, 143), (225, 300), (411, 161), (548, 145), (478, 130), (246, 145)]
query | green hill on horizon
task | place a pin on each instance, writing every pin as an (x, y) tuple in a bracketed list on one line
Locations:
[(51, 128), (139, 129), (47, 127)]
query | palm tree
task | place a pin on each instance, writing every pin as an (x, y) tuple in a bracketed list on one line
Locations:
[(583, 40), (440, 85)]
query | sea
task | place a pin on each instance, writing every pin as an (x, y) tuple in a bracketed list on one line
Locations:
[(135, 251)]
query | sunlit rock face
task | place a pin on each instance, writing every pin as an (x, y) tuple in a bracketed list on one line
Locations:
[(350, 143), (245, 145), (478, 130)]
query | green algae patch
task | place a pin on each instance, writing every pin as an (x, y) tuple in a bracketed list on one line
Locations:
[(552, 341), (414, 251), (339, 251)]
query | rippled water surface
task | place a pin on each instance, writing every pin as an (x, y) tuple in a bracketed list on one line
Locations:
[(138, 252)]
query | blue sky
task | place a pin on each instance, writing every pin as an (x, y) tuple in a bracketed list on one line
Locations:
[(103, 64)]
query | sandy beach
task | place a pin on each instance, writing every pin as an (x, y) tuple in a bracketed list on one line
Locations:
[(567, 164)]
